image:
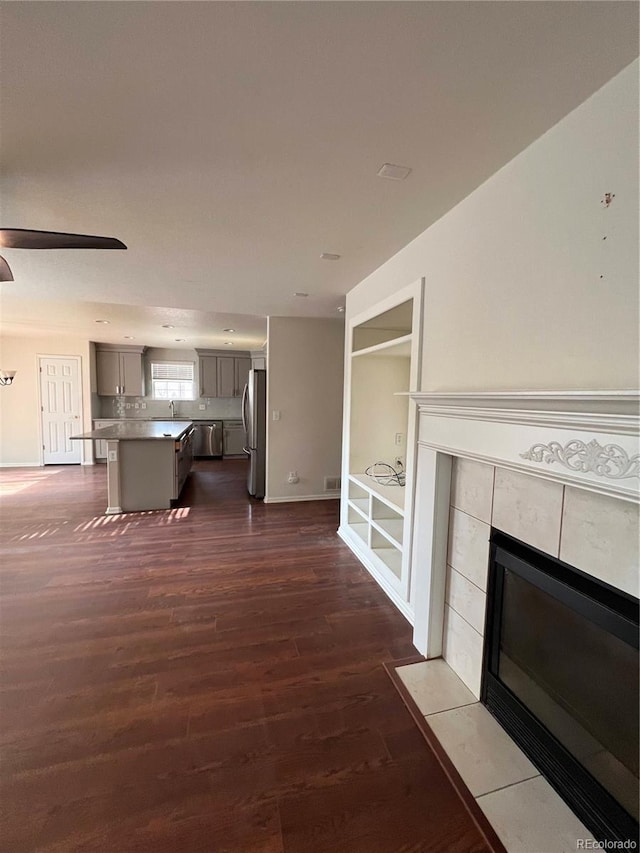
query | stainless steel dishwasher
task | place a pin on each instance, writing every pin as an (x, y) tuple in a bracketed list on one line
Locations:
[(207, 440)]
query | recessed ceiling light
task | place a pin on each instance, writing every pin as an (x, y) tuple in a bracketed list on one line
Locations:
[(228, 330), (329, 256), (393, 172), (167, 326), (106, 322), (299, 293), (340, 308), (128, 337), (180, 340), (228, 343)]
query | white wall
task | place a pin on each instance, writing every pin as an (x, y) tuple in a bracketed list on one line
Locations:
[(376, 413), (305, 384), (522, 291), (19, 403)]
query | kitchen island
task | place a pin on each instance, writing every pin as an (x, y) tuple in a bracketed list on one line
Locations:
[(147, 462)]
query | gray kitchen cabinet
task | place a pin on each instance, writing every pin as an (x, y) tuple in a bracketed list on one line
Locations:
[(108, 367), (242, 366), (100, 445), (234, 439), (233, 373), (223, 374), (208, 366), (120, 372), (226, 377)]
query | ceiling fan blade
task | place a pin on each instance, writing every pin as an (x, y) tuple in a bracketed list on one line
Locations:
[(23, 238), (5, 272)]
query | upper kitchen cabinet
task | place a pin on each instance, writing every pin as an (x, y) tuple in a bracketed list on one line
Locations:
[(226, 377), (233, 374), (208, 371), (119, 370), (221, 374), (242, 366)]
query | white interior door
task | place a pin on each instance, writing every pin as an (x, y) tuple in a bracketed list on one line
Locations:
[(61, 409)]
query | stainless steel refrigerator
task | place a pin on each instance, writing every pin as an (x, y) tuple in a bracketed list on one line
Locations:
[(254, 420)]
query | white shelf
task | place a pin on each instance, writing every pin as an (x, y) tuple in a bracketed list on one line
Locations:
[(361, 505), (383, 364), (361, 529), (395, 347), (391, 495), (391, 528), (378, 520), (392, 558)]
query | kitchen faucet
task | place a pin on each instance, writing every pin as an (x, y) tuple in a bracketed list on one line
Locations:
[(172, 406)]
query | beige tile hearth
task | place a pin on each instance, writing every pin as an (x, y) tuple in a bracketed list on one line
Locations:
[(530, 817), (481, 751), (434, 686), (524, 810)]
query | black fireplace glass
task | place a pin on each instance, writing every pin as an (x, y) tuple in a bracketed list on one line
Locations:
[(578, 679)]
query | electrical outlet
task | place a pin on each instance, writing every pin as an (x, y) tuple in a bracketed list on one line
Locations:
[(143, 405), (276, 415), (202, 407), (113, 456), (137, 405), (399, 437), (293, 477)]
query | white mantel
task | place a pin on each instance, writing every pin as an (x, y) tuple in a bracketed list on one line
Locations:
[(585, 439)]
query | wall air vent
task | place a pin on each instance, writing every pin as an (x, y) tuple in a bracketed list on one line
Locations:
[(331, 484)]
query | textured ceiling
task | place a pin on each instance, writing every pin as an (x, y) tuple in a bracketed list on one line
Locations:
[(229, 144)]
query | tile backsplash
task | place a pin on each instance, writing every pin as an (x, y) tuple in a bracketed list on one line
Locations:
[(125, 407)]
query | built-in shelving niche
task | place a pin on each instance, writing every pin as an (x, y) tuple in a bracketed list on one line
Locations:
[(380, 426)]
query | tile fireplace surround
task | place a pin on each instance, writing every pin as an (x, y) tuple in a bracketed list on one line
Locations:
[(557, 470)]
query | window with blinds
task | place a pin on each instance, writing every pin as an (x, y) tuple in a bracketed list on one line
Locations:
[(172, 380)]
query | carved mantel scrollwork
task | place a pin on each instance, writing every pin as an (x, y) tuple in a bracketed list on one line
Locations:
[(610, 461)]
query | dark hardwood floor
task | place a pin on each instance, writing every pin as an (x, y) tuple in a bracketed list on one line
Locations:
[(206, 678)]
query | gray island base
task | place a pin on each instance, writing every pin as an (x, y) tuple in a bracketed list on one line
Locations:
[(147, 463)]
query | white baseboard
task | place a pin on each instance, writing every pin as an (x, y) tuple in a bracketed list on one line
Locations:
[(21, 465), (361, 554), (331, 496)]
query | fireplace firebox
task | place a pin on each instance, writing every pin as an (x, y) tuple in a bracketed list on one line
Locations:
[(560, 673)]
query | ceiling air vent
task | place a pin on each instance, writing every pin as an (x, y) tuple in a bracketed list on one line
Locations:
[(394, 173)]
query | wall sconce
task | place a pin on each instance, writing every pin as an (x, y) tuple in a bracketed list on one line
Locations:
[(6, 376)]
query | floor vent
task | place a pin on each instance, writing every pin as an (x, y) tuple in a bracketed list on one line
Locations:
[(331, 484)]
